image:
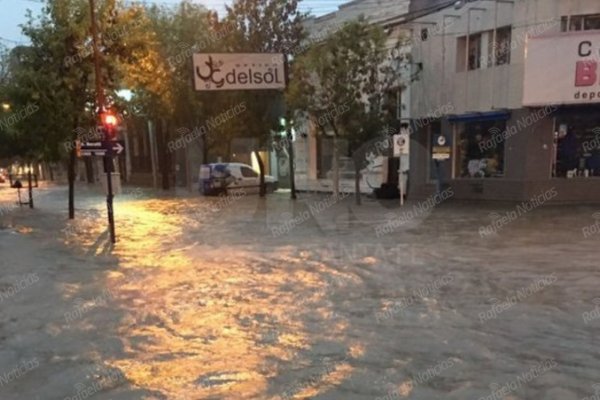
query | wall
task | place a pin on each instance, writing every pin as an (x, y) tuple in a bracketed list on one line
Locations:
[(483, 89)]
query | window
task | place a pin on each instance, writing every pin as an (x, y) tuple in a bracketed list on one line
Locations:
[(577, 142), (481, 149), (474, 52), (580, 23), (248, 173), (424, 34), (392, 105), (500, 51)]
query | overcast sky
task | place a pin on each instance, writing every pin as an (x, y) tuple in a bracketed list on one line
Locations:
[(12, 13)]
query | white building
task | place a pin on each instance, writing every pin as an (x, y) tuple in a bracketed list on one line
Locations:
[(314, 152)]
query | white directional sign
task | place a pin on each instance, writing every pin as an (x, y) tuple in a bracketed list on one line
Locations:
[(117, 148), (239, 71)]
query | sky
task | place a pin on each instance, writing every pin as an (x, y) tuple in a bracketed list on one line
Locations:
[(12, 13)]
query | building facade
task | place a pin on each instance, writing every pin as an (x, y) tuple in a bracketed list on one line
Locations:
[(507, 106), (314, 151)]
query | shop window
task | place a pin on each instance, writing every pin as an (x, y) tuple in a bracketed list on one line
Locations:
[(502, 48), (577, 146), (580, 23), (481, 149)]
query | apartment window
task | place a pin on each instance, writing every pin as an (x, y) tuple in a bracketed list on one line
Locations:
[(392, 103), (502, 48), (580, 23), (474, 53)]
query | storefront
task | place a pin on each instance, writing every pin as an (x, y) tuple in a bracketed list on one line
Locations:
[(551, 142)]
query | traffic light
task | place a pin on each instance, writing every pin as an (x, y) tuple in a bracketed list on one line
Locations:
[(109, 123)]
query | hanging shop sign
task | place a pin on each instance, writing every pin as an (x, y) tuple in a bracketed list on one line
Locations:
[(240, 71)]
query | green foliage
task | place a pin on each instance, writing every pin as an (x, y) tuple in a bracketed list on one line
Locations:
[(260, 26), (147, 50), (340, 83), (55, 72)]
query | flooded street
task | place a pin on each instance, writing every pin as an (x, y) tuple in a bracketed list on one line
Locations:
[(243, 298)]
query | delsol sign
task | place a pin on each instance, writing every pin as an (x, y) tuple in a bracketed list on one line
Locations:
[(562, 69), (239, 71)]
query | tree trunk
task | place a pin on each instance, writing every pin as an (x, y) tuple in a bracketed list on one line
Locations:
[(163, 156), (336, 167), (357, 185), (71, 175), (204, 150), (261, 166)]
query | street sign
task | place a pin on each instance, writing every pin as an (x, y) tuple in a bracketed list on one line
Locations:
[(117, 147), (441, 150), (239, 71), (401, 143), (101, 149)]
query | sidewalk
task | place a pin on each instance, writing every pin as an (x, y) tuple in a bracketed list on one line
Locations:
[(305, 184)]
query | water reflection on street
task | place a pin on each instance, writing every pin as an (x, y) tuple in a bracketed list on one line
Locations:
[(205, 317), (203, 301)]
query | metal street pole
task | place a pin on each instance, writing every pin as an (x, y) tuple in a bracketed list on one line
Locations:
[(30, 186), (288, 126), (108, 167), (291, 154)]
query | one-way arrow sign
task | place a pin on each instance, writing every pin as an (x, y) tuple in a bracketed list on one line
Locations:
[(117, 147), (101, 149)]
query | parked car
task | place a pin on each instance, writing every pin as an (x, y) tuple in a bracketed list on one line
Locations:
[(223, 178)]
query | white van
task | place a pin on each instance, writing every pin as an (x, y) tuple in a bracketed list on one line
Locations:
[(221, 178)]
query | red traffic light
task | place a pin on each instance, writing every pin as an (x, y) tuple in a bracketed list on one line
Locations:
[(109, 120), (109, 123)]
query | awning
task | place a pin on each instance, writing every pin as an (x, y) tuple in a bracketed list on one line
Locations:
[(478, 117)]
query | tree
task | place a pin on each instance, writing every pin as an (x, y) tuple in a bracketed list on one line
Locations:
[(340, 85), (55, 72), (261, 26)]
